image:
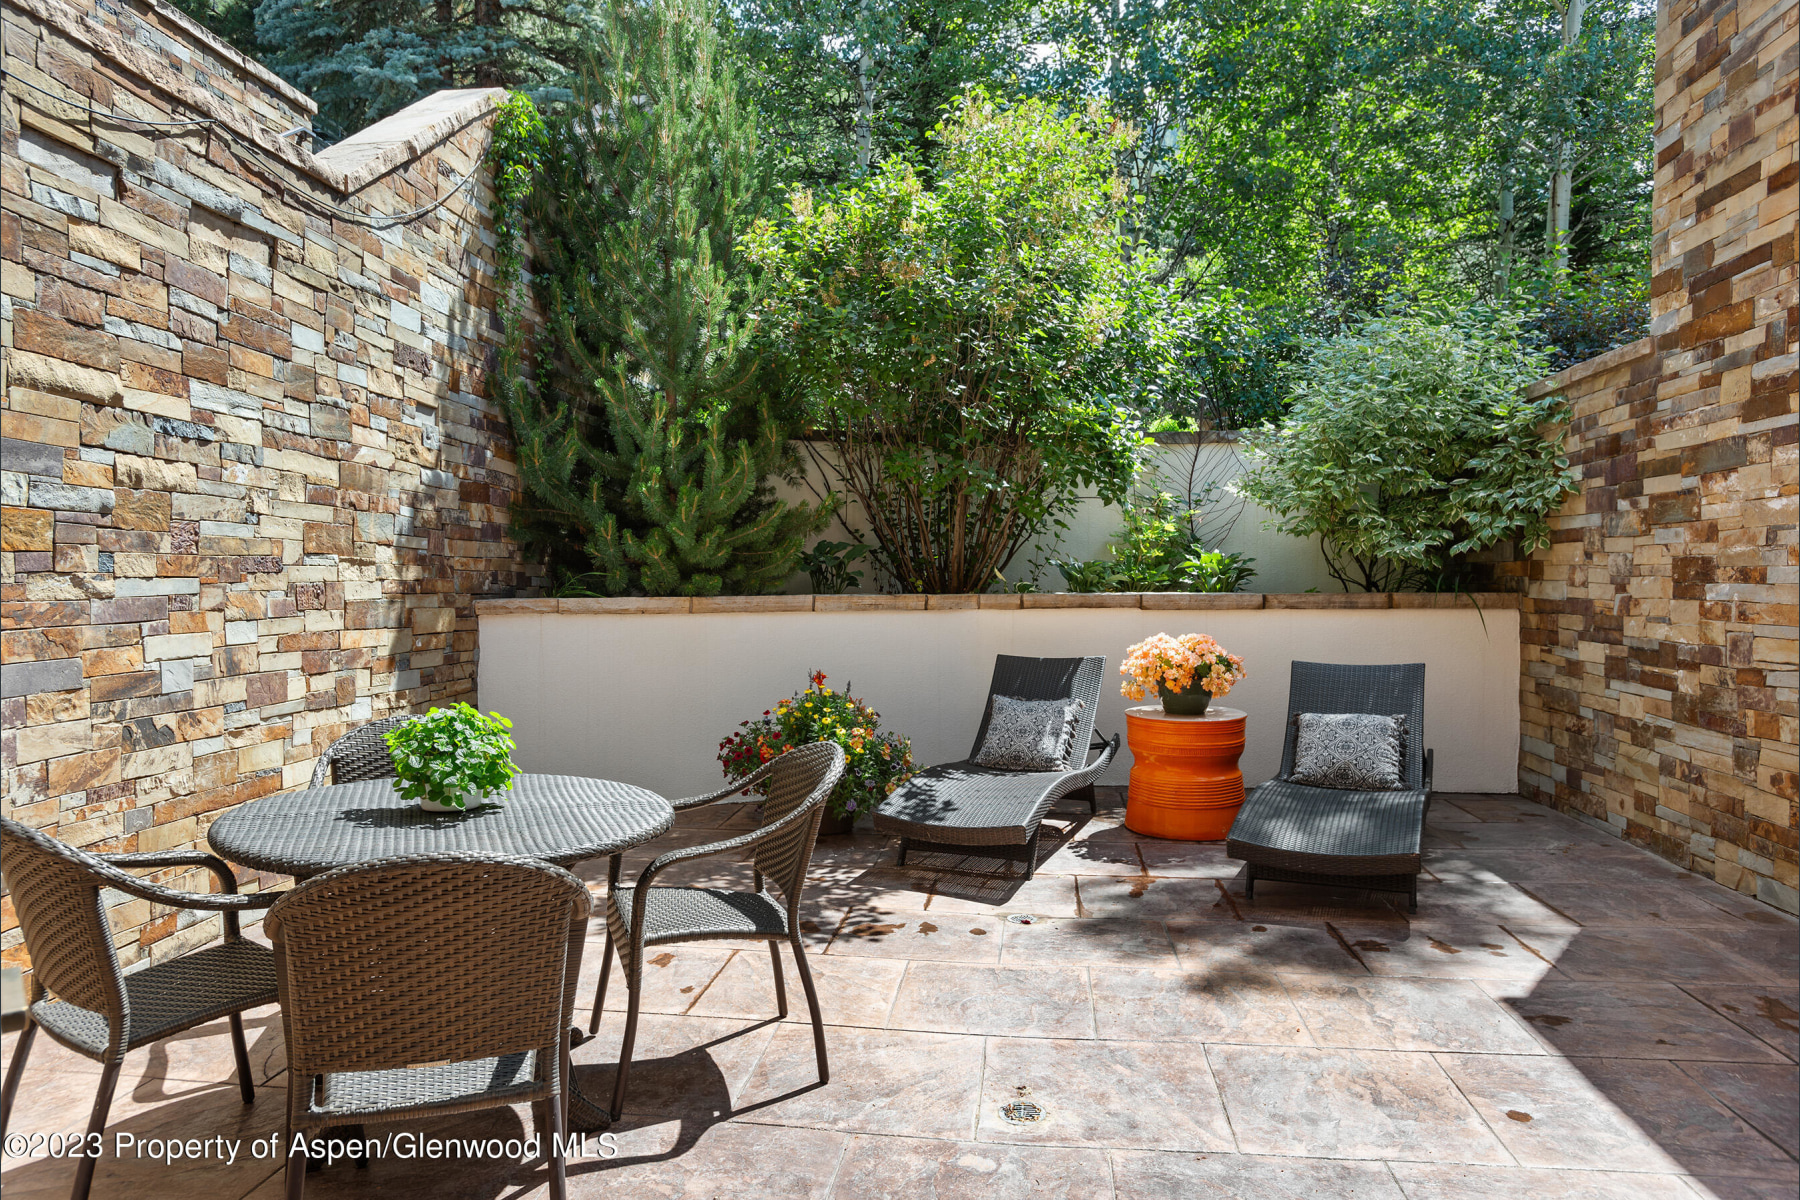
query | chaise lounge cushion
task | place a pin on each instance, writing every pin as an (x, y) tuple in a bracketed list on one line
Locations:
[(1293, 827)]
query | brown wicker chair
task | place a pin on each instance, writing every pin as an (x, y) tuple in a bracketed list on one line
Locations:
[(98, 1010), (795, 785), (464, 962), (360, 754)]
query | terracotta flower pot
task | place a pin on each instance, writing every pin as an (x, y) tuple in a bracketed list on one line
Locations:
[(1191, 702)]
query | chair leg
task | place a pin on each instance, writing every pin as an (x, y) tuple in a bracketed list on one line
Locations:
[(296, 1171), (633, 982), (246, 1085), (901, 861), (21, 1051), (559, 1175), (84, 1170), (1031, 849), (600, 992), (812, 1003), (780, 983), (1249, 881), (1412, 898)]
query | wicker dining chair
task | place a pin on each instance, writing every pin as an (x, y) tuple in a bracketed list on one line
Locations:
[(79, 994), (423, 986), (795, 787), (360, 754)]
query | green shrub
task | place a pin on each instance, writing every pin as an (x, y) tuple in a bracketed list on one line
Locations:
[(451, 756), (973, 348), (1156, 551), (1409, 444)]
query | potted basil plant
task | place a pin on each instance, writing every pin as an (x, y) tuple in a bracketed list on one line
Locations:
[(452, 756)]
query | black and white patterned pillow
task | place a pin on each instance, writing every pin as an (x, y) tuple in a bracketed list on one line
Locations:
[(1029, 735), (1363, 752)]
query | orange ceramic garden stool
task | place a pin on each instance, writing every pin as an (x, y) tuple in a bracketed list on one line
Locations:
[(1185, 782)]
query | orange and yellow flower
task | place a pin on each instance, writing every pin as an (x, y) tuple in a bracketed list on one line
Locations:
[(1176, 663)]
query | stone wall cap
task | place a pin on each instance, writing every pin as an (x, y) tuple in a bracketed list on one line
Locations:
[(368, 154), (217, 45), (966, 602), (1482, 600), (1081, 600), (1305, 600), (1184, 601), (515, 604), (624, 604), (1616, 357), (752, 604), (870, 601)]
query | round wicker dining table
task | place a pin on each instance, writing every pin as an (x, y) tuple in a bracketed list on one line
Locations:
[(561, 819)]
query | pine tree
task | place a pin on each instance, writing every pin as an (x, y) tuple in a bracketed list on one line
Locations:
[(646, 451)]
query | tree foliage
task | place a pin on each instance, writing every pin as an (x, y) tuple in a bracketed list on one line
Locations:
[(362, 60), (1411, 443), (963, 345), (648, 432)]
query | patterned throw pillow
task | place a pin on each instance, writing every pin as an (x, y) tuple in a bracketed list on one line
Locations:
[(1360, 752), (1029, 735)]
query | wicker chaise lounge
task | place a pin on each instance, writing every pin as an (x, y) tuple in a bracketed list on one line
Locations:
[(961, 808), (1291, 833)]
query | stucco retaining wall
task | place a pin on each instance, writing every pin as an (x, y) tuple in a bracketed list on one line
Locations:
[(645, 696)]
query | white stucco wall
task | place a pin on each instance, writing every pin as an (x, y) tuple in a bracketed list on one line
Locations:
[(1283, 563), (647, 698)]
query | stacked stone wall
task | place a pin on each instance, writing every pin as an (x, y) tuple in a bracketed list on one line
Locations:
[(1660, 655), (251, 483)]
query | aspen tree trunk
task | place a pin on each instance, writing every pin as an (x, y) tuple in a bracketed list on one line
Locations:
[(1556, 216), (865, 88)]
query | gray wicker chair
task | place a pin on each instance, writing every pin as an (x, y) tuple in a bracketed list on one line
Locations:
[(795, 787), (360, 754), (465, 963), (1291, 833), (98, 1010), (960, 808)]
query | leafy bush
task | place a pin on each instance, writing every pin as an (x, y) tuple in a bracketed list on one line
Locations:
[(875, 762), (827, 565), (973, 349), (1583, 315), (1156, 551), (453, 755), (1410, 443)]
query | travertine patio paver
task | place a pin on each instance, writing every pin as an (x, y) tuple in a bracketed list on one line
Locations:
[(1184, 1040)]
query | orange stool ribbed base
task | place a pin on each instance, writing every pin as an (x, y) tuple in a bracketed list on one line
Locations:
[(1185, 782)]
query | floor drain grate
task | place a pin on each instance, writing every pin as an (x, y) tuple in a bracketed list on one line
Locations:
[(1023, 919), (1023, 1110)]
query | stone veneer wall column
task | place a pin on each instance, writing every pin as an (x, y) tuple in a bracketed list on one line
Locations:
[(251, 485), (1659, 687)]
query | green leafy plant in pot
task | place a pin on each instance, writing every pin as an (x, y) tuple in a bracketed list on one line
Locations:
[(452, 756)]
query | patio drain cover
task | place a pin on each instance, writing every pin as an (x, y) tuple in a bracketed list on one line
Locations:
[(1022, 1112), (1023, 919)]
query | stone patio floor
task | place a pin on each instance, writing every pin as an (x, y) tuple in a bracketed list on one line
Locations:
[(1564, 1016)]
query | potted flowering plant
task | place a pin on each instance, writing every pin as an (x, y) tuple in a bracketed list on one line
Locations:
[(875, 762), (1187, 671)]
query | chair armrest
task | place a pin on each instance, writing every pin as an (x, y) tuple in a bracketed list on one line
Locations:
[(1107, 747), (228, 900), (178, 858), (742, 785), (726, 793), (670, 858)]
